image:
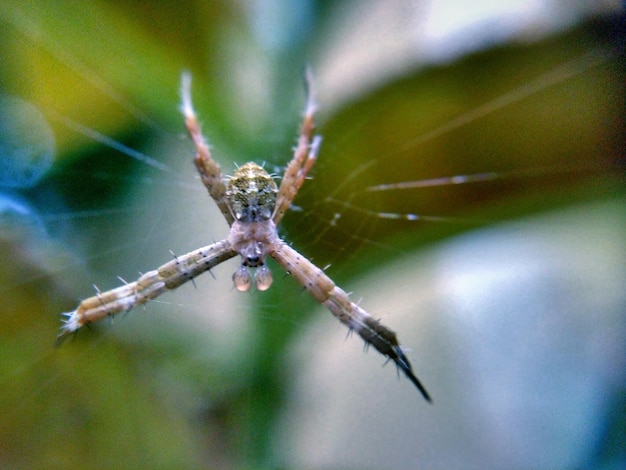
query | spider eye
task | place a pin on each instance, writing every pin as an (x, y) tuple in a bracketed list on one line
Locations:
[(263, 278), (241, 279)]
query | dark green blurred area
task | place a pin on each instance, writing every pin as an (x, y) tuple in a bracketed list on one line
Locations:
[(399, 135), (169, 398)]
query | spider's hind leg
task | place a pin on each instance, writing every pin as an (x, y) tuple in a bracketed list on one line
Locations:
[(324, 290), (385, 341)]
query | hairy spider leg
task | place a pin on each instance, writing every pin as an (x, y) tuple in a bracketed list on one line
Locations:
[(335, 299), (304, 157), (149, 286), (209, 169)]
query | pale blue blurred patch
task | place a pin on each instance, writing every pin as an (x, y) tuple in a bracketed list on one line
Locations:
[(277, 25), (26, 143), (17, 212), (454, 28)]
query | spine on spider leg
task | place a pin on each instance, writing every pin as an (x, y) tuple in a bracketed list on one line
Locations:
[(324, 290), (147, 287)]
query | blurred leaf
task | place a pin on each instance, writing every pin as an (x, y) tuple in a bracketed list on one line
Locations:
[(541, 124)]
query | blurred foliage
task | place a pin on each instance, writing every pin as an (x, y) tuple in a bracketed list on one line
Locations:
[(174, 400), (560, 144)]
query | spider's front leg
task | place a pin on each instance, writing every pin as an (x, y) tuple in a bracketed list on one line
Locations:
[(304, 156), (324, 290), (147, 287), (209, 169)]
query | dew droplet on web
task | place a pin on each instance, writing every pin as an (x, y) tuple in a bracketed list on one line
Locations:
[(26, 143)]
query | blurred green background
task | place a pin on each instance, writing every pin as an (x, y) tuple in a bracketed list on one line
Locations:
[(209, 378)]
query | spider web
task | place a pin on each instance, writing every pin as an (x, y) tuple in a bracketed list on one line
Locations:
[(124, 196)]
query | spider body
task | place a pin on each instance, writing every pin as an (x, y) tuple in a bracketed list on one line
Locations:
[(251, 196), (253, 206)]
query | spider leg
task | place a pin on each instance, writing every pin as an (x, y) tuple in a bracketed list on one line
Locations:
[(209, 169), (304, 156), (324, 290), (149, 286)]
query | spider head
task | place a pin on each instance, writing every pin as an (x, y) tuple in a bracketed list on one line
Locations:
[(251, 193)]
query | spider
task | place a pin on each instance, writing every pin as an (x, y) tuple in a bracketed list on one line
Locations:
[(253, 206)]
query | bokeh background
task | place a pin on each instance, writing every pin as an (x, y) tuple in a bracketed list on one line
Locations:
[(508, 290)]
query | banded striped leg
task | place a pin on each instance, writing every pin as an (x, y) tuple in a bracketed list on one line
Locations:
[(147, 287), (304, 157), (324, 290), (209, 169)]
